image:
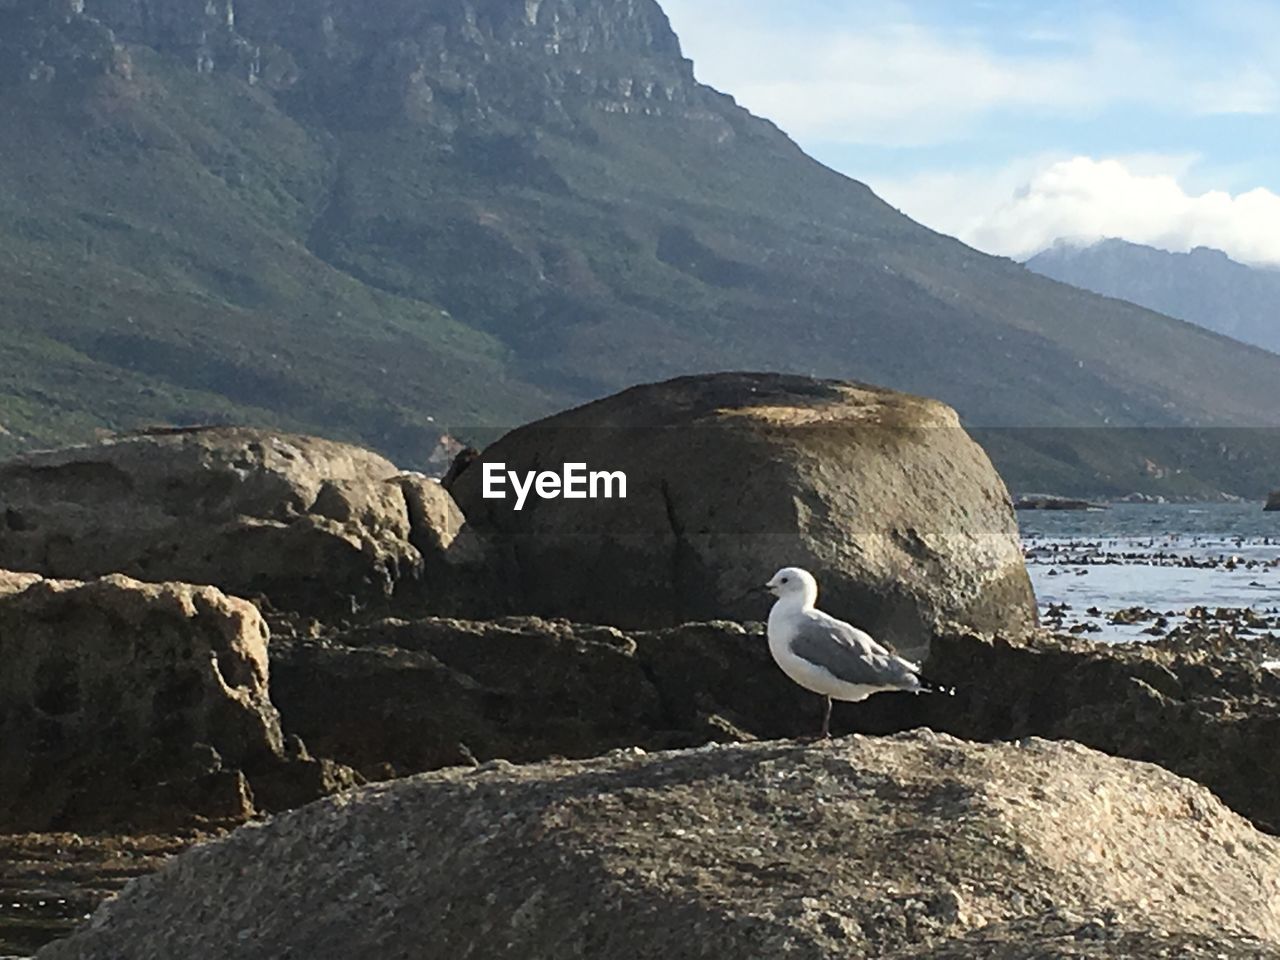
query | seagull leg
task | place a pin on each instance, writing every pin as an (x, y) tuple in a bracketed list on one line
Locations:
[(826, 719)]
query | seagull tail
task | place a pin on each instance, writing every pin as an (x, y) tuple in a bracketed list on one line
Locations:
[(926, 685)]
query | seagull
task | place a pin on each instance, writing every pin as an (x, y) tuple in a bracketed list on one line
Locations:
[(826, 655)]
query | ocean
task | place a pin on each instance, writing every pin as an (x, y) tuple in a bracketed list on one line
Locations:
[(1168, 559)]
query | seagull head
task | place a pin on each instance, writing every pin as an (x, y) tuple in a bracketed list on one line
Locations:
[(793, 582)]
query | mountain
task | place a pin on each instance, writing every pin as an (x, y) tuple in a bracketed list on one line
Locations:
[(1204, 286), (380, 219)]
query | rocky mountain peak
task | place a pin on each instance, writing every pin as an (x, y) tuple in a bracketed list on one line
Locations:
[(433, 62)]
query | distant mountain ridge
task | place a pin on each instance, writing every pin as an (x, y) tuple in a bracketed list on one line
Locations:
[(1204, 286), (380, 219)]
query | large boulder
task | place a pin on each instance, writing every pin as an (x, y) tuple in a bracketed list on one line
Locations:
[(916, 846), (729, 476), (310, 523), (132, 703)]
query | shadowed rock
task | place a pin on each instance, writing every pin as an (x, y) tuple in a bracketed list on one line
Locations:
[(917, 846), (395, 697), (730, 476), (132, 703), (1205, 710), (398, 697)]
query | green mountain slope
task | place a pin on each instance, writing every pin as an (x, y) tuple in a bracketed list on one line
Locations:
[(375, 219)]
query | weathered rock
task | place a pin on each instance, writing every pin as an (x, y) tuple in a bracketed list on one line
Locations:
[(730, 476), (918, 846), (397, 697), (310, 523), (11, 582), (130, 703), (1207, 712)]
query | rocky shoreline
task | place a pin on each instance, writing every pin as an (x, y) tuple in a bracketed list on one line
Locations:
[(50, 883), (423, 701), (393, 693)]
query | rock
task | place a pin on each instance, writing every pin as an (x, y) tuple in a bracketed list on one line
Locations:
[(11, 582), (403, 697), (1206, 713), (131, 703), (916, 846), (731, 476), (51, 45), (1137, 497), (310, 523), (442, 65), (1055, 503), (1273, 501)]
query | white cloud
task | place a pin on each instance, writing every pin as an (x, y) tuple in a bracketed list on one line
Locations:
[(896, 74), (887, 78), (1024, 207)]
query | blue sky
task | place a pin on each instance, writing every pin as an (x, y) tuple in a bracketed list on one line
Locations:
[(1012, 122)]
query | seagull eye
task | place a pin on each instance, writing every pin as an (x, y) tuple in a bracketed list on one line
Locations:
[(785, 580)]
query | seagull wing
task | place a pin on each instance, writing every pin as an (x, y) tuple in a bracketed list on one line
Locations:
[(850, 654)]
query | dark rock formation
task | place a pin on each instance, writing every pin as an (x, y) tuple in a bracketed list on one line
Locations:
[(309, 523), (1273, 501), (133, 703), (918, 846), (1208, 712), (396, 698), (1055, 503), (730, 476)]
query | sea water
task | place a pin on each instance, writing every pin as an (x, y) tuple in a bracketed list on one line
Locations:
[(1163, 557)]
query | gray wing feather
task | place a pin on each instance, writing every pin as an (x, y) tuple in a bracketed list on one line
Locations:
[(851, 655)]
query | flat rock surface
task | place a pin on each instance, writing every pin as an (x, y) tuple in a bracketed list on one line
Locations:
[(913, 846)]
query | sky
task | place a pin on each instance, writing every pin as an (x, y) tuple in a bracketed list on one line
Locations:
[(1013, 123)]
